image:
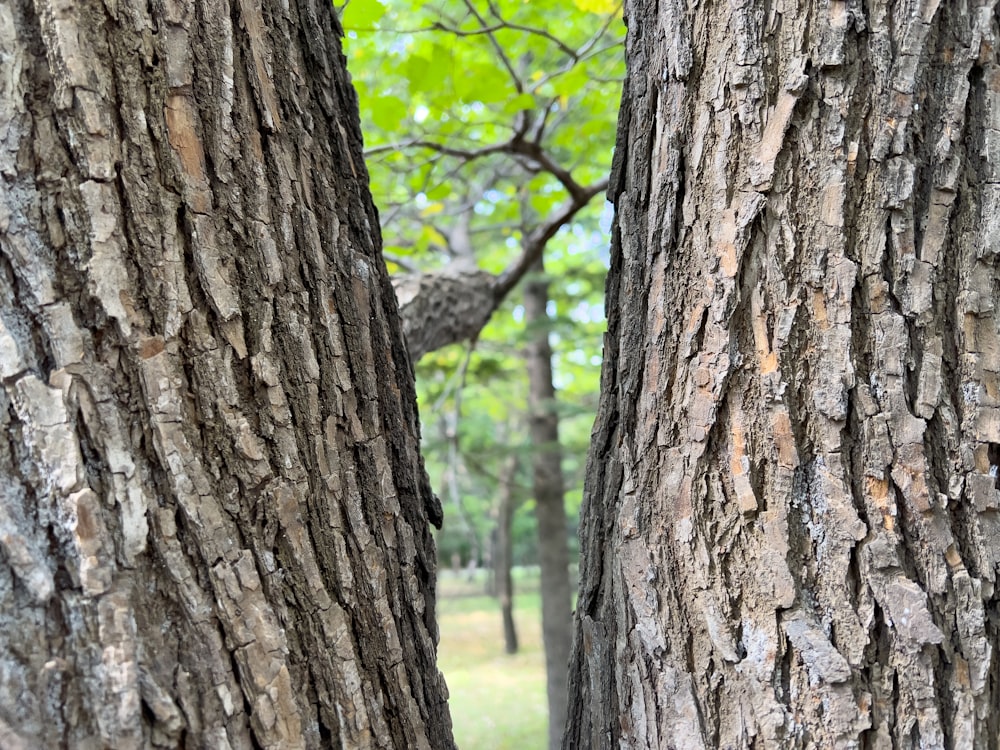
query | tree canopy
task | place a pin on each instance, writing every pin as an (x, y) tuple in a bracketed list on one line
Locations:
[(489, 139)]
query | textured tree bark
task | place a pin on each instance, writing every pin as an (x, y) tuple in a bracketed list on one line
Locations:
[(444, 308), (791, 527), (213, 513), (550, 508)]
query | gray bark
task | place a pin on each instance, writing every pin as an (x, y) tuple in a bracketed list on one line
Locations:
[(550, 508), (791, 522), (213, 513), (444, 308)]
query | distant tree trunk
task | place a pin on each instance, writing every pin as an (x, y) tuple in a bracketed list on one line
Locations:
[(213, 513), (550, 510), (791, 524), (451, 479), (503, 553)]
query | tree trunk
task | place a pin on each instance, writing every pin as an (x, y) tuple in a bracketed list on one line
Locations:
[(550, 511), (503, 554), (791, 524), (213, 513)]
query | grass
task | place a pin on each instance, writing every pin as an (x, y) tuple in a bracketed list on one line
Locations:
[(497, 700)]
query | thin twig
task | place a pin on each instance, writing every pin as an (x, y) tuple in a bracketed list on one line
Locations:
[(497, 47), (396, 260), (440, 148), (586, 50), (534, 244), (493, 28)]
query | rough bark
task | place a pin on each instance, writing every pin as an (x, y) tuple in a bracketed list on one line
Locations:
[(213, 513), (791, 523), (444, 308), (550, 507)]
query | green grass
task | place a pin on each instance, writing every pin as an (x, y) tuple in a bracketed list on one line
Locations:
[(497, 700)]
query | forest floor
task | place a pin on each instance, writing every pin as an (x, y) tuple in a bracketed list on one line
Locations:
[(497, 700)]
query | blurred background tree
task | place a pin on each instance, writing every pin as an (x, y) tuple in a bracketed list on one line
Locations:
[(489, 129)]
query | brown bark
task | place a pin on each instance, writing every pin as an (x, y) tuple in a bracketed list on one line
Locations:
[(550, 508), (791, 523), (213, 513)]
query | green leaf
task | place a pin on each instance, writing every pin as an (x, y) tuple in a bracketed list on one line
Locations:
[(363, 14), (440, 192), (430, 236), (416, 68), (429, 73), (602, 7), (388, 112), (483, 83), (520, 103)]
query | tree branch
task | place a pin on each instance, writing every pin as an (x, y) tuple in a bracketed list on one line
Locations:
[(497, 47), (396, 260), (444, 307), (534, 244), (536, 153), (515, 146), (449, 306)]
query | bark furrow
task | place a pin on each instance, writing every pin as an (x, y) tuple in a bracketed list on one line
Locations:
[(791, 529)]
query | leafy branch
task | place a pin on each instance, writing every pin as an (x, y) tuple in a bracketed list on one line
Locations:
[(471, 152)]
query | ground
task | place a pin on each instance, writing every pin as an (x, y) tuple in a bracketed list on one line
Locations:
[(497, 701)]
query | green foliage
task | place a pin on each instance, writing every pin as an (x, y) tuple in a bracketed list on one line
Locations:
[(480, 117)]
